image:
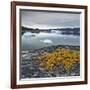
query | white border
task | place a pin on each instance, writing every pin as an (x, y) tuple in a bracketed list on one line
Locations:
[(57, 79)]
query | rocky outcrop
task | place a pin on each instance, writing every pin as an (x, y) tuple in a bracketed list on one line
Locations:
[(30, 64)]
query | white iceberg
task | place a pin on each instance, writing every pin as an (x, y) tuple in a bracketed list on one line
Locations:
[(56, 31), (47, 41), (29, 34)]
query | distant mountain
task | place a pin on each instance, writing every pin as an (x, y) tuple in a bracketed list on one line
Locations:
[(67, 31)]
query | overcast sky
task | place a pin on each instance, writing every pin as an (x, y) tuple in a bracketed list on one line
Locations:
[(41, 19)]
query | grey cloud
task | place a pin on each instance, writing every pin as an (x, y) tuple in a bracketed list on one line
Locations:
[(49, 19)]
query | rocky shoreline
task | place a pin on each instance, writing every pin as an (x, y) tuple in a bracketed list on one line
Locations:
[(30, 64)]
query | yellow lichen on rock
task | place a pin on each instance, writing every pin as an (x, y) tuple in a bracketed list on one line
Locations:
[(67, 57)]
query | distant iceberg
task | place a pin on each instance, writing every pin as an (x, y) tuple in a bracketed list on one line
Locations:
[(47, 41), (29, 34), (56, 31)]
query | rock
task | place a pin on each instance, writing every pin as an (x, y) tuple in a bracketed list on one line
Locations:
[(76, 69), (30, 64)]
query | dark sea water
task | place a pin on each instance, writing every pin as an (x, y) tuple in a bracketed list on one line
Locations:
[(32, 41)]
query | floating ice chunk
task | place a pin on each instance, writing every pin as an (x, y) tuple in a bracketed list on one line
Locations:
[(56, 31), (29, 34), (47, 41)]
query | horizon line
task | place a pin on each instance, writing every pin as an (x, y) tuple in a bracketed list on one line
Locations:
[(52, 27)]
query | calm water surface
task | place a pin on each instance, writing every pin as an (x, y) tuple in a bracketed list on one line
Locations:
[(38, 40)]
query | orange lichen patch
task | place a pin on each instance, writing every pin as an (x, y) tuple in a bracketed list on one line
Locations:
[(63, 56)]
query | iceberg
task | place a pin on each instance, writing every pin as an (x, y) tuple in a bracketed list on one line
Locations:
[(47, 41)]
